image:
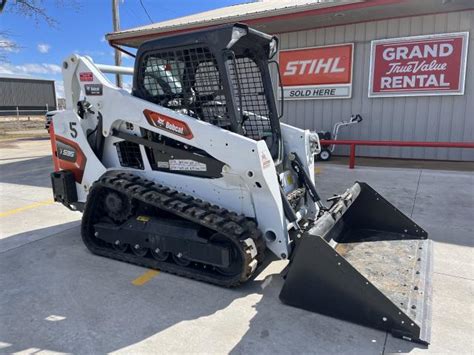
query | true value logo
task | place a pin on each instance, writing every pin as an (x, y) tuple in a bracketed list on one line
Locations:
[(418, 63), (421, 65)]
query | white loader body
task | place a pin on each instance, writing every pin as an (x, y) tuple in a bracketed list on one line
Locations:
[(249, 184)]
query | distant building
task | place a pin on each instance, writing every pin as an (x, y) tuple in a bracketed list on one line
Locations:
[(30, 96)]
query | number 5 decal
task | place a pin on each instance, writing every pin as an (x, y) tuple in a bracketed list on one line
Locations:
[(72, 128)]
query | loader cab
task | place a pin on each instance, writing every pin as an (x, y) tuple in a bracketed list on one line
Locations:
[(217, 75)]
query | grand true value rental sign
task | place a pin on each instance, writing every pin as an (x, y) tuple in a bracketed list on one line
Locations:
[(317, 72), (419, 66)]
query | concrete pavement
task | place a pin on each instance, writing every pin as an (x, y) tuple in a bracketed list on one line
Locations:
[(57, 297)]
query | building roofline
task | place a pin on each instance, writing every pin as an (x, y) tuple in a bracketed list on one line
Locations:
[(250, 19), (23, 77), (278, 18)]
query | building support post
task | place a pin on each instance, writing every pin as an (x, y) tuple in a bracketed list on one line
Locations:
[(17, 118), (118, 54)]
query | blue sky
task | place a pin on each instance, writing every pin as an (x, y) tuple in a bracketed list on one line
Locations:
[(81, 30)]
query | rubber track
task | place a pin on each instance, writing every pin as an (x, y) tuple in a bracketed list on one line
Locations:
[(237, 227)]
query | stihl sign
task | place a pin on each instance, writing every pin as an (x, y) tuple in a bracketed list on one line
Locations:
[(319, 72), (420, 65)]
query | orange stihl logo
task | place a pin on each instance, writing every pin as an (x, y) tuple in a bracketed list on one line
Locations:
[(169, 124), (316, 66)]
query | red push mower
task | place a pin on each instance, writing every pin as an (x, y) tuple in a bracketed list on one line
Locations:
[(328, 149)]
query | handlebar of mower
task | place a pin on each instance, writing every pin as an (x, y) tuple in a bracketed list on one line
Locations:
[(357, 118)]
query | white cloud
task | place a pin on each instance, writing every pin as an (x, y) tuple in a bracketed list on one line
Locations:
[(59, 85), (43, 47), (7, 45), (90, 53), (26, 69), (5, 69)]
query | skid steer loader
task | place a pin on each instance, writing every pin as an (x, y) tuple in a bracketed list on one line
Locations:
[(194, 174)]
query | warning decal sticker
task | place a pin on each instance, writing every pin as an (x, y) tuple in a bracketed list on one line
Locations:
[(186, 165), (86, 76)]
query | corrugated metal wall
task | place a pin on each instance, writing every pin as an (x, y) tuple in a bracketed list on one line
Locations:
[(440, 118), (26, 94)]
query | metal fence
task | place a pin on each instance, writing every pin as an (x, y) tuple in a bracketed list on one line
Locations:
[(19, 113), (22, 112)]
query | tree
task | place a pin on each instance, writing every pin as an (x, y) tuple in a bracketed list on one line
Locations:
[(30, 9)]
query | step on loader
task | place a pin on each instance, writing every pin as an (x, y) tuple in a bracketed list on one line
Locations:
[(193, 173)]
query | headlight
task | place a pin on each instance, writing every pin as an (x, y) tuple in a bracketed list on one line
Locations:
[(273, 47), (237, 33), (314, 144)]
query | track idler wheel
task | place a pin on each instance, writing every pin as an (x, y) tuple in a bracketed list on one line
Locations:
[(159, 255), (139, 250), (180, 260), (122, 247)]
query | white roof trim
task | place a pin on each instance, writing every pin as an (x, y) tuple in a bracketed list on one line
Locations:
[(228, 14)]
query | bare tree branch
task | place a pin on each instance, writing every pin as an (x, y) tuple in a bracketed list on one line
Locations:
[(7, 46), (31, 9), (35, 9)]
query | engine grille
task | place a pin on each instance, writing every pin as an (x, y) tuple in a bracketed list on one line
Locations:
[(129, 155)]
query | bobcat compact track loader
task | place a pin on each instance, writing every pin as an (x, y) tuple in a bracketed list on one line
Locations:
[(194, 174)]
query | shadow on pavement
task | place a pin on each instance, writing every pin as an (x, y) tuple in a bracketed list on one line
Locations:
[(57, 296), (31, 172), (18, 240), (278, 328)]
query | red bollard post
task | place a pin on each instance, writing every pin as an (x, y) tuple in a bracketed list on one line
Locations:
[(352, 156)]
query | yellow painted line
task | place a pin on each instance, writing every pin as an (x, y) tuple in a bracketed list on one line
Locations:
[(318, 170), (143, 279), (25, 208)]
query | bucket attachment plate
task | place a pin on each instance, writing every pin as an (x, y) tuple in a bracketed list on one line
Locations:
[(366, 262)]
